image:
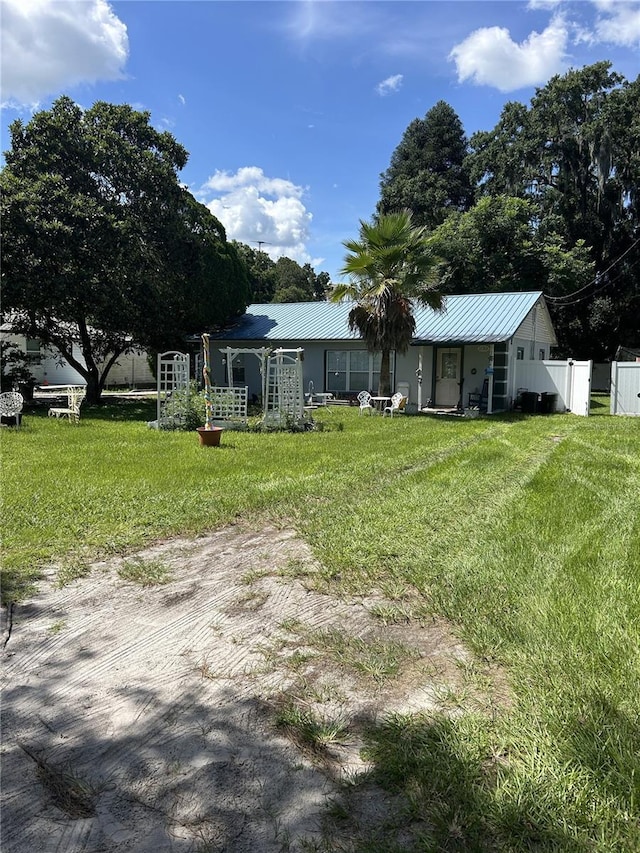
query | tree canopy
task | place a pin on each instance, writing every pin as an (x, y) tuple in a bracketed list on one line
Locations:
[(283, 280), (574, 153), (557, 188), (102, 246), (495, 246), (428, 172), (390, 267)]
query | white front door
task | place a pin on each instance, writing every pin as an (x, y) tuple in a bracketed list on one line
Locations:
[(448, 377)]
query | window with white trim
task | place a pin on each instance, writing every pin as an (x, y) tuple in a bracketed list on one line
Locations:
[(354, 370)]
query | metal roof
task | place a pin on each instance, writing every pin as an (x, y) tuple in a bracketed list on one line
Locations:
[(467, 318), (475, 318)]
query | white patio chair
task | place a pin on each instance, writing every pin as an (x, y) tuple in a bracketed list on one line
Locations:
[(75, 396), (11, 403), (398, 403), (364, 401)]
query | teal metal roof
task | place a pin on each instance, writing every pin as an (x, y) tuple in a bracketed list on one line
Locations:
[(468, 318), (475, 318)]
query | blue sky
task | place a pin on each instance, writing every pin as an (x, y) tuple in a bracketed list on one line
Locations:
[(291, 110)]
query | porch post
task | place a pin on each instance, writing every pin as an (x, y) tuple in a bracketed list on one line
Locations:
[(419, 375), (490, 385)]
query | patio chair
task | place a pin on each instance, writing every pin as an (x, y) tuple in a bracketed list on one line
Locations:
[(364, 401), (75, 396), (11, 403), (398, 402), (479, 400)]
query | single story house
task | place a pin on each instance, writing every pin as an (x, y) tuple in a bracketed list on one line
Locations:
[(47, 366), (476, 337)]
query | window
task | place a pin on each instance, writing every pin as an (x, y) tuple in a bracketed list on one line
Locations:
[(354, 370), (520, 354), (337, 368), (237, 370), (32, 349)]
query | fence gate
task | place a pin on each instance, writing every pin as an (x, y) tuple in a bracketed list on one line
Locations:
[(625, 388), (580, 387), (570, 380), (173, 388)]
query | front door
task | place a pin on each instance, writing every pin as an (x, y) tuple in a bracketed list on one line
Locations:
[(448, 377)]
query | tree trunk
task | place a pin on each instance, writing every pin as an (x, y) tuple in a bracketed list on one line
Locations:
[(94, 388), (384, 385)]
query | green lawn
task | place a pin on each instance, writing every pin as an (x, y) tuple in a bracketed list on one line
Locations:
[(523, 531)]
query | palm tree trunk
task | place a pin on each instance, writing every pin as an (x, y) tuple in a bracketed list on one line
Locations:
[(384, 385)]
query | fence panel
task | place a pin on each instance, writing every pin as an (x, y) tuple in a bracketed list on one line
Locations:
[(570, 380), (625, 388)]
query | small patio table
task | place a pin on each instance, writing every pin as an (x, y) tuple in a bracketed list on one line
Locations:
[(324, 397), (380, 402)]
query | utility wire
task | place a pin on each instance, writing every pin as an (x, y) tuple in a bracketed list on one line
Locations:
[(587, 295), (596, 280)]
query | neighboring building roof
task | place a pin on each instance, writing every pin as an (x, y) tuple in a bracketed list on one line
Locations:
[(468, 318), (627, 354)]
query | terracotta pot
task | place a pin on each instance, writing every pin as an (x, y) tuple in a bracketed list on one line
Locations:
[(209, 437)]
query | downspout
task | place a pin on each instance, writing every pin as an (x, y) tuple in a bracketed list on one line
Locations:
[(419, 376)]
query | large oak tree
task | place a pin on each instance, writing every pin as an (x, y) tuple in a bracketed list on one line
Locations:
[(103, 248), (574, 153), (557, 188)]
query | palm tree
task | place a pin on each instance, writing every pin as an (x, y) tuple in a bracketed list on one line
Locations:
[(389, 267)]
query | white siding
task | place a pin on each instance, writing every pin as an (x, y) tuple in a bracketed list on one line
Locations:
[(50, 369), (536, 327), (131, 370)]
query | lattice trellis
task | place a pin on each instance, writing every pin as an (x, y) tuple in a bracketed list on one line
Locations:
[(284, 400), (229, 404), (173, 389)]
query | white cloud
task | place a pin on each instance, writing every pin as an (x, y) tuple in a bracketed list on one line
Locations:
[(391, 84), (490, 57), (618, 22), (182, 99), (51, 45), (257, 209), (313, 20), (544, 4)]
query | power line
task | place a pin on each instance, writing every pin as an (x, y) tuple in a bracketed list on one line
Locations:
[(588, 295), (596, 280)]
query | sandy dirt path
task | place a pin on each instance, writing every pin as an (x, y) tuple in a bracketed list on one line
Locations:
[(142, 719)]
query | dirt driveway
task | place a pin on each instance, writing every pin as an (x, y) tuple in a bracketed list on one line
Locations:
[(145, 718)]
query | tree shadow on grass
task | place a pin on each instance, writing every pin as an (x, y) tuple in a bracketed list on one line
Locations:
[(120, 409), (444, 797), (606, 740)]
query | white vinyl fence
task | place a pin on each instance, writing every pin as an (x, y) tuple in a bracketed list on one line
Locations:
[(570, 380), (625, 388)]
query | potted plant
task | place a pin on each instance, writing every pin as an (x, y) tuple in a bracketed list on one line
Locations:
[(209, 435)]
